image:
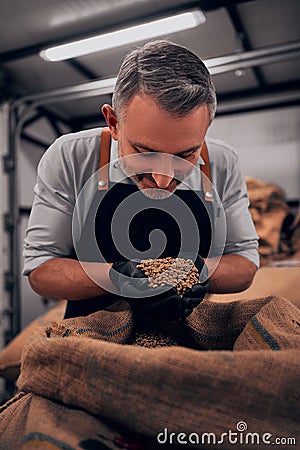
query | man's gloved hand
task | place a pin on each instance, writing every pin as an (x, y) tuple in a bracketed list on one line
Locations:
[(193, 296), (161, 302), (128, 279)]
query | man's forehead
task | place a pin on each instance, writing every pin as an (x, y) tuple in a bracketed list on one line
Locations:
[(150, 127)]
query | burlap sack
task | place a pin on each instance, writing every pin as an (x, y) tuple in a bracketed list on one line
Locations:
[(250, 380), (10, 356), (47, 424), (268, 209)]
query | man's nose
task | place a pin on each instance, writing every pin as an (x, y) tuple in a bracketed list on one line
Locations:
[(163, 171), (162, 181)]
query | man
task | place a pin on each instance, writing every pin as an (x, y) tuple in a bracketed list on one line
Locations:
[(163, 104)]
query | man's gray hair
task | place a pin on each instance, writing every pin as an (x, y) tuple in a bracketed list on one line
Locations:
[(173, 75)]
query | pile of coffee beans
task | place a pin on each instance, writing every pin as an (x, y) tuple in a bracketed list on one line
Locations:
[(154, 339), (177, 272)]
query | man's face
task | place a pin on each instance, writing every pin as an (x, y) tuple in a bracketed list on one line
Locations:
[(150, 132)]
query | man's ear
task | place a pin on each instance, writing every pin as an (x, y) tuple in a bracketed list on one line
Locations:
[(111, 120)]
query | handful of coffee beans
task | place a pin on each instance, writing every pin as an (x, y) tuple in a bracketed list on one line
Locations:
[(177, 272)]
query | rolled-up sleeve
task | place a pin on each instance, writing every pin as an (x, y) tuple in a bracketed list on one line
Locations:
[(241, 237), (49, 231)]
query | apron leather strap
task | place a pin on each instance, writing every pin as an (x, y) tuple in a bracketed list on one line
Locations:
[(205, 169), (103, 180)]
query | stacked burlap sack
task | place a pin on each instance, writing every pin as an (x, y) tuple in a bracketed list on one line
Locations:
[(83, 385), (277, 229), (10, 356)]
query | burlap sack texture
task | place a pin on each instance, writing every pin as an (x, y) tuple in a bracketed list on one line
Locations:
[(270, 212), (10, 356), (246, 369)]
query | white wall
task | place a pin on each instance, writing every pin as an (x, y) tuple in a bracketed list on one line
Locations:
[(268, 143)]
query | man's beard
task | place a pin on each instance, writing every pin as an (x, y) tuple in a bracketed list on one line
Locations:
[(154, 193)]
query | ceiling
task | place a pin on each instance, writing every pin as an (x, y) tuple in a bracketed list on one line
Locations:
[(262, 38)]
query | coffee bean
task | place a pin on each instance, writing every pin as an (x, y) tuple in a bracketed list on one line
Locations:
[(177, 272), (154, 339)]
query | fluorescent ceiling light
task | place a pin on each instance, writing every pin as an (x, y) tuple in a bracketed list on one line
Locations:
[(149, 30)]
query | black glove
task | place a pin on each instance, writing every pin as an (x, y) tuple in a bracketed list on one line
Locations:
[(132, 282), (162, 302), (193, 296), (128, 279)]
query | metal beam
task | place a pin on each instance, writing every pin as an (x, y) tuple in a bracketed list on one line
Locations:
[(82, 69), (4, 210), (216, 66), (278, 95), (10, 249), (278, 88), (243, 38), (32, 120), (265, 55), (89, 89), (210, 5), (53, 118), (35, 141), (259, 100)]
